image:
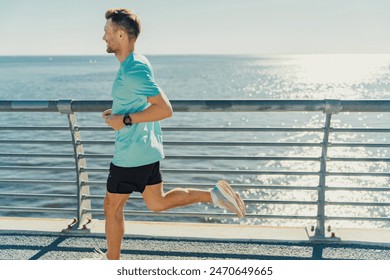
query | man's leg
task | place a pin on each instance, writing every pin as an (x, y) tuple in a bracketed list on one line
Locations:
[(115, 225), (157, 200), (222, 195)]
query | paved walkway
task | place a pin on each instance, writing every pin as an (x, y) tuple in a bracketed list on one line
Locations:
[(32, 239)]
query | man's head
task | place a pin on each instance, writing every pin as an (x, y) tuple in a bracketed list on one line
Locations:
[(121, 25)]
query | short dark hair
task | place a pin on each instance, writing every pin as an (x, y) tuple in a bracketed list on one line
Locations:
[(126, 19)]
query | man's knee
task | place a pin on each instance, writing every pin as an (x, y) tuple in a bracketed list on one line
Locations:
[(112, 209), (154, 198), (106, 205), (155, 206)]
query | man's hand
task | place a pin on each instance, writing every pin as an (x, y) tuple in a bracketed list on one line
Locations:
[(115, 121), (106, 114)]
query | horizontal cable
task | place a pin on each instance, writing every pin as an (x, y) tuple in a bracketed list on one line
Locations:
[(33, 142), (199, 143), (47, 182), (373, 189), (371, 145), (247, 172), (248, 201), (36, 209), (244, 158), (378, 159), (94, 128), (242, 143), (286, 202), (213, 143), (368, 130), (95, 156), (214, 157), (49, 196), (243, 186), (38, 168), (24, 128), (211, 129), (215, 129), (378, 219), (347, 203), (208, 171), (217, 157), (37, 155), (208, 157), (263, 158), (202, 186), (97, 142), (247, 186), (200, 215), (242, 129), (356, 174)]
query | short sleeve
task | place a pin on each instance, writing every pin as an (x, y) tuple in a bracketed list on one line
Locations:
[(140, 78)]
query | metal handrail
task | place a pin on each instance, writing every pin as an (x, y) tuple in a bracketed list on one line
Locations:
[(84, 210), (327, 106)]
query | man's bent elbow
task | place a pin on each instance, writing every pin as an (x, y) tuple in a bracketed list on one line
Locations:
[(169, 112)]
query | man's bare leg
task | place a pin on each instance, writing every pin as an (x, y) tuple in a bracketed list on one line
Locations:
[(115, 224), (222, 195), (157, 200)]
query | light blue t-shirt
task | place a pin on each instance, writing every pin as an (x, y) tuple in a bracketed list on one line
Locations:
[(140, 143)]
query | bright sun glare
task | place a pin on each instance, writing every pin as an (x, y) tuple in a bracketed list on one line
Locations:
[(339, 69)]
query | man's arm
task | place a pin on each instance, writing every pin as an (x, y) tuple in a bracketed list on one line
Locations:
[(159, 109)]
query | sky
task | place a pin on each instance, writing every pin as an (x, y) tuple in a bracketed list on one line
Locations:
[(75, 27)]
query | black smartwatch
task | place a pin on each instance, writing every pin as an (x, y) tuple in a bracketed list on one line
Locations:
[(127, 119)]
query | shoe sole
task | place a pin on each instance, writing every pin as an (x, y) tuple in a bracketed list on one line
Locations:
[(234, 199)]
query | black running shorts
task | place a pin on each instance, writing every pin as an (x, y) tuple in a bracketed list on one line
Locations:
[(126, 180)]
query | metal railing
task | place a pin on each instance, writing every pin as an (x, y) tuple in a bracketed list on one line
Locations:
[(318, 159)]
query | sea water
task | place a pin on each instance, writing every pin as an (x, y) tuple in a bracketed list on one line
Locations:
[(202, 77)]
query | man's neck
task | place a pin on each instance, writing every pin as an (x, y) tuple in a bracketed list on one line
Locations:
[(123, 54)]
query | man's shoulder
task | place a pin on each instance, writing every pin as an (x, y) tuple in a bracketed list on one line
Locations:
[(137, 68), (139, 62)]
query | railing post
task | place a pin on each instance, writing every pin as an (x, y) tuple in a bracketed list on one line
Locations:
[(320, 229), (331, 107), (80, 223)]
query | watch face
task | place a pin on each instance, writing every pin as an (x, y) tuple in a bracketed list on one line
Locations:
[(127, 120)]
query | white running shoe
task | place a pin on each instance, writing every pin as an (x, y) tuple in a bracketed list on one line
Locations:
[(223, 196), (99, 255)]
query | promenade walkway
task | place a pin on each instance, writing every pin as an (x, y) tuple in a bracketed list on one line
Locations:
[(33, 239)]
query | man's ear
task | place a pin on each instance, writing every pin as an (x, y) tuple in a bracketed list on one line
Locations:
[(121, 33)]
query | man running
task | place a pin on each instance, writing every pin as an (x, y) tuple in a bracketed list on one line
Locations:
[(138, 106)]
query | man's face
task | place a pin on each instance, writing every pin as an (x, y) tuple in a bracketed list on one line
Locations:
[(111, 35)]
